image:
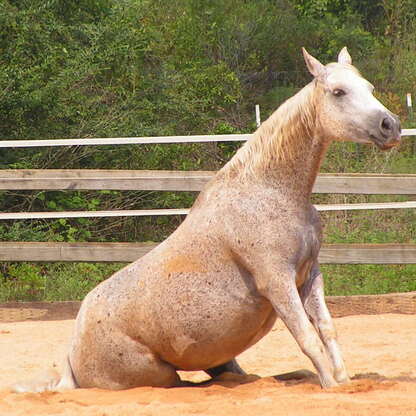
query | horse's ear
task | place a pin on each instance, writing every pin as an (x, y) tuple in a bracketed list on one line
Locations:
[(344, 57), (314, 66)]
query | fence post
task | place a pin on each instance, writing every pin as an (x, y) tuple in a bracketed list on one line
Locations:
[(258, 121), (410, 112), (409, 105)]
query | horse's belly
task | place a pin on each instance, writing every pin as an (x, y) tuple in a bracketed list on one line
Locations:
[(206, 341), (201, 356)]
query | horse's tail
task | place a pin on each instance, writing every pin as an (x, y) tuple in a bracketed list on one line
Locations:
[(49, 382)]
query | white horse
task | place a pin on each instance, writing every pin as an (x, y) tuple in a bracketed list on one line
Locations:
[(246, 254)]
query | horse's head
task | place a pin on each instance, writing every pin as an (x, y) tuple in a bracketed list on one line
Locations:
[(347, 109)]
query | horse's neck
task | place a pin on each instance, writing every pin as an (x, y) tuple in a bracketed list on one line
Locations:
[(287, 150), (296, 175)]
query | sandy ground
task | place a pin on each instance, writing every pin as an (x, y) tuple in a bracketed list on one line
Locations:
[(380, 352)]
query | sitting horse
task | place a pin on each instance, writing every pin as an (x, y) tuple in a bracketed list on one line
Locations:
[(246, 254)]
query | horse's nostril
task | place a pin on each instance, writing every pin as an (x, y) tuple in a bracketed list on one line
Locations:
[(386, 124)]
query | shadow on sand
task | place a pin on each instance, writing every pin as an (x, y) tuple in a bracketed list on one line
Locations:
[(307, 377)]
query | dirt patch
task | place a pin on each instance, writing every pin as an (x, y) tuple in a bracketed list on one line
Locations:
[(379, 351)]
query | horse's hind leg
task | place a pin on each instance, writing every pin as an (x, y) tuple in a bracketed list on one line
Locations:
[(312, 295), (119, 362), (232, 367)]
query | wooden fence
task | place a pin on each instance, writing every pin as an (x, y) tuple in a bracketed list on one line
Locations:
[(183, 181)]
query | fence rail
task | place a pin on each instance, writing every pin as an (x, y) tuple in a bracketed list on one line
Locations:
[(128, 252), (184, 211), (161, 180), (127, 140), (140, 140)]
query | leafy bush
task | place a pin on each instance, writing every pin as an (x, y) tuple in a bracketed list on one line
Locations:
[(23, 282)]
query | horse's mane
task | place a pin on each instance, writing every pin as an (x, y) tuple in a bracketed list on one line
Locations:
[(289, 127)]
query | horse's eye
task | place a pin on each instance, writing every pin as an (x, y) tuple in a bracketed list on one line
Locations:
[(338, 92)]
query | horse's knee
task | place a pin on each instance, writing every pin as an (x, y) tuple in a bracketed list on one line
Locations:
[(321, 320), (327, 330)]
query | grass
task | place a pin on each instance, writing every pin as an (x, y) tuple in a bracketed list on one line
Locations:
[(369, 227), (368, 279), (52, 281)]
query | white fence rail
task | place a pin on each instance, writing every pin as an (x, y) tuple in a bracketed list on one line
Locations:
[(140, 140), (126, 140), (183, 211)]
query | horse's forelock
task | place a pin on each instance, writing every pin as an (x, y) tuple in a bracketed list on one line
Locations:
[(336, 65)]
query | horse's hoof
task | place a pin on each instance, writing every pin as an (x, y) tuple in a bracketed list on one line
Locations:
[(343, 380), (328, 382), (342, 377)]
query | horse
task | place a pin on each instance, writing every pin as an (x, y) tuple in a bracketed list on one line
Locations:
[(246, 253)]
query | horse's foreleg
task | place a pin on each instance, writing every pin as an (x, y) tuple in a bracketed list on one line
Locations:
[(284, 296), (313, 299), (232, 367)]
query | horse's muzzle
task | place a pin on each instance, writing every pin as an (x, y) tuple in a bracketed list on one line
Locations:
[(388, 133)]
